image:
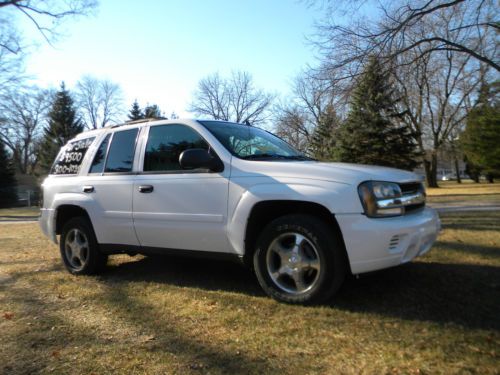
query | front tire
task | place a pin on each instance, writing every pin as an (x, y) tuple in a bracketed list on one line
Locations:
[(79, 249), (299, 259)]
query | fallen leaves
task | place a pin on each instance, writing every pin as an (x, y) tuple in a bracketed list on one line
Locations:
[(8, 315)]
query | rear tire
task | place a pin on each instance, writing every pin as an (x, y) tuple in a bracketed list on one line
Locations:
[(79, 249), (299, 259)]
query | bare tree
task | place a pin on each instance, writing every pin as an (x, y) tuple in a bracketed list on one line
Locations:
[(471, 30), (231, 99), (46, 16), (100, 101), (436, 95), (24, 113), (291, 124), (313, 95)]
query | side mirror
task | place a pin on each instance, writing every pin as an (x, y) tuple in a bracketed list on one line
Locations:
[(195, 158)]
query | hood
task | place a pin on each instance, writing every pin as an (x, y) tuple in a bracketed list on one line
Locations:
[(336, 172)]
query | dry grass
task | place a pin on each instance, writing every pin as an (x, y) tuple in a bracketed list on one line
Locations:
[(467, 193), (440, 314), (467, 187)]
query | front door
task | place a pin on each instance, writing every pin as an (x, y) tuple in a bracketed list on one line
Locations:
[(175, 208)]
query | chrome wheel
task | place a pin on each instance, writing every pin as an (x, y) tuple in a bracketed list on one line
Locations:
[(293, 263), (76, 248)]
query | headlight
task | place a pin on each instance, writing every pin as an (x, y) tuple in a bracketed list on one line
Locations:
[(381, 199)]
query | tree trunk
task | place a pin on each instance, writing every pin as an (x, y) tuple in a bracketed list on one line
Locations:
[(431, 171), (457, 171), (489, 177)]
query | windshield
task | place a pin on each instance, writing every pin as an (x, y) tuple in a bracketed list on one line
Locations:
[(248, 142)]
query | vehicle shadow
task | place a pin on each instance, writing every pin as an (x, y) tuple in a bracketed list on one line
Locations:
[(207, 274), (462, 294)]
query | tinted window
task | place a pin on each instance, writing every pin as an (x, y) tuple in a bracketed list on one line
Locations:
[(121, 151), (166, 143), (100, 156), (71, 156)]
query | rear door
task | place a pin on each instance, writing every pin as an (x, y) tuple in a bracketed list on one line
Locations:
[(175, 208), (110, 182)]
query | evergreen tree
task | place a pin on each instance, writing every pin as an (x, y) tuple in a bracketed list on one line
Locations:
[(8, 194), (373, 132), (323, 138), (135, 112), (481, 138), (63, 125), (153, 111)]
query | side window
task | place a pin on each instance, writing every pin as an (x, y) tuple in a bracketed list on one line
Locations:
[(166, 143), (121, 151), (100, 156), (71, 156)]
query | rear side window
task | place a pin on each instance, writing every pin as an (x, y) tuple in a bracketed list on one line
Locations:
[(100, 156), (71, 156), (121, 152), (165, 145)]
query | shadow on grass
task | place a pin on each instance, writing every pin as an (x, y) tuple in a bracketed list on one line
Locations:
[(468, 295), (207, 274), (195, 351), (464, 248), (36, 348), (471, 221)]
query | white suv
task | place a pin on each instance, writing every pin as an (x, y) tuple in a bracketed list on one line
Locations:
[(222, 189)]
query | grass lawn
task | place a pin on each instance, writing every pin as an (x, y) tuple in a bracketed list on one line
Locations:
[(439, 314), (452, 193)]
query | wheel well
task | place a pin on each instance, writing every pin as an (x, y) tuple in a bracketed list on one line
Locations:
[(265, 212), (66, 212)]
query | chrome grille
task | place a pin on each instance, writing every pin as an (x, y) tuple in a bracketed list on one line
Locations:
[(413, 189)]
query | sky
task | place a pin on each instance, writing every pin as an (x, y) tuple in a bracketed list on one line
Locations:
[(157, 50)]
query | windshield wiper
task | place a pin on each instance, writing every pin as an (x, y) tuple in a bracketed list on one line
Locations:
[(298, 157), (264, 156), (276, 156)]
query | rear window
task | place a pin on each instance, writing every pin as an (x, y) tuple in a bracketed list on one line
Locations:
[(71, 156)]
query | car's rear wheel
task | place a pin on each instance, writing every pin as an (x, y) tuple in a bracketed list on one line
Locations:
[(79, 249), (299, 259)]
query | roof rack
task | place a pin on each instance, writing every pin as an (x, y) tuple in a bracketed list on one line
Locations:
[(133, 122)]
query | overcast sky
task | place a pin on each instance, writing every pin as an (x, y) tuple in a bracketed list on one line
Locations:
[(159, 50)]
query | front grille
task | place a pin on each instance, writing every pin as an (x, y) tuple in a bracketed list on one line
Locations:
[(411, 188)]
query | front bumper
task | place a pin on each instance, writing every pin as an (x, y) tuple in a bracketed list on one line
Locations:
[(378, 243)]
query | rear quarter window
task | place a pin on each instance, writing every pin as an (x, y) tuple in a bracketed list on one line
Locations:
[(71, 156)]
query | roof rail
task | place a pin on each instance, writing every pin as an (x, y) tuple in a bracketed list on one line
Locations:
[(133, 122)]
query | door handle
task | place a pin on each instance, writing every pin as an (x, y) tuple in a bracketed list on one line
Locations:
[(88, 189), (145, 188)]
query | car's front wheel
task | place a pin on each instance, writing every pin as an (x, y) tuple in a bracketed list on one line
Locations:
[(79, 249), (299, 259)]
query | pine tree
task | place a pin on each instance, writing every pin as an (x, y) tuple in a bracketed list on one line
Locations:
[(481, 138), (373, 132), (8, 195), (135, 112), (323, 138), (63, 125), (153, 111)]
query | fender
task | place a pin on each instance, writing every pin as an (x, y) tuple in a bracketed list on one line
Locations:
[(73, 199), (320, 192)]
